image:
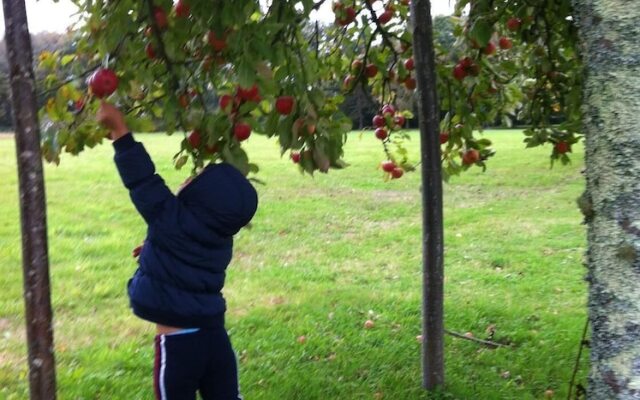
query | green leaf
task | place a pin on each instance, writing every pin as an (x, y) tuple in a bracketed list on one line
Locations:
[(481, 32), (246, 74), (67, 59)]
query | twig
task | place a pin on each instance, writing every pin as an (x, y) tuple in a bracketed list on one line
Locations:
[(577, 364), (488, 343)]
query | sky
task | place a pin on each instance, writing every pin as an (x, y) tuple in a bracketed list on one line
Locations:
[(45, 15)]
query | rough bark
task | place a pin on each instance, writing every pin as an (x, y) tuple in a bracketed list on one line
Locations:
[(609, 31), (432, 221), (35, 258)]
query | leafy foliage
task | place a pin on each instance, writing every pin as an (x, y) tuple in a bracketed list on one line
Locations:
[(176, 62)]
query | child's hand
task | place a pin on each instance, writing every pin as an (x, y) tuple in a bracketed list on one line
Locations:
[(111, 118)]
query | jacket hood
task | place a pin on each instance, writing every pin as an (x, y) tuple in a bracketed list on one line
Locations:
[(222, 198)]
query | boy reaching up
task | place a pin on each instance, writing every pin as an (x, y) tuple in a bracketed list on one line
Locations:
[(182, 264)]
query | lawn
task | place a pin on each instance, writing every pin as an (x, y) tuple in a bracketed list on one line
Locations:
[(324, 255)]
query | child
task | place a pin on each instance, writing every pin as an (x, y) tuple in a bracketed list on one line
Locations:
[(182, 266)]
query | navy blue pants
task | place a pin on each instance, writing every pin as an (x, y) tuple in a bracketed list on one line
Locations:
[(202, 361)]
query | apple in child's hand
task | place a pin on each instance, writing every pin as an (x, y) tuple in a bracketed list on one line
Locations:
[(103, 82), (242, 131), (284, 105)]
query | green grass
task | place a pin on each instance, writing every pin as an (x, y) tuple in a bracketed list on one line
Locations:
[(324, 255)]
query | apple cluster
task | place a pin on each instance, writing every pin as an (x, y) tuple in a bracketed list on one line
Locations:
[(385, 121)]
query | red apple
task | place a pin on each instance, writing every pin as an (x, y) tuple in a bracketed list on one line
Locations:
[(399, 120), (295, 157), (348, 16), (218, 44), (385, 17), (250, 94), (183, 100), (182, 9), (103, 82), (562, 147), (369, 324), (194, 139), (370, 71), (408, 64), (397, 173), (225, 102), (212, 148), (505, 43), (356, 66), (161, 17), (388, 109), (490, 49), (381, 133), (311, 129), (284, 105), (347, 84), (444, 137), (410, 83), (388, 166), (379, 121), (391, 74), (471, 156), (466, 62), (242, 131), (151, 52), (459, 72), (474, 70), (513, 24)]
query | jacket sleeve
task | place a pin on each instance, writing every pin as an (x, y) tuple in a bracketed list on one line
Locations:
[(149, 193)]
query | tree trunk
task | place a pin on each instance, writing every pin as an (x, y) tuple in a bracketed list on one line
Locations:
[(609, 31), (35, 258), (432, 224)]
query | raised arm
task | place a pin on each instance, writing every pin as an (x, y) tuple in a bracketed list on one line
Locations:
[(149, 193)]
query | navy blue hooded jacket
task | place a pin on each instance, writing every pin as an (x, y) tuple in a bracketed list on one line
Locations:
[(189, 238)]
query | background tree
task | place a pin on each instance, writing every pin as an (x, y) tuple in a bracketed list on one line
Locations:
[(610, 203)]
